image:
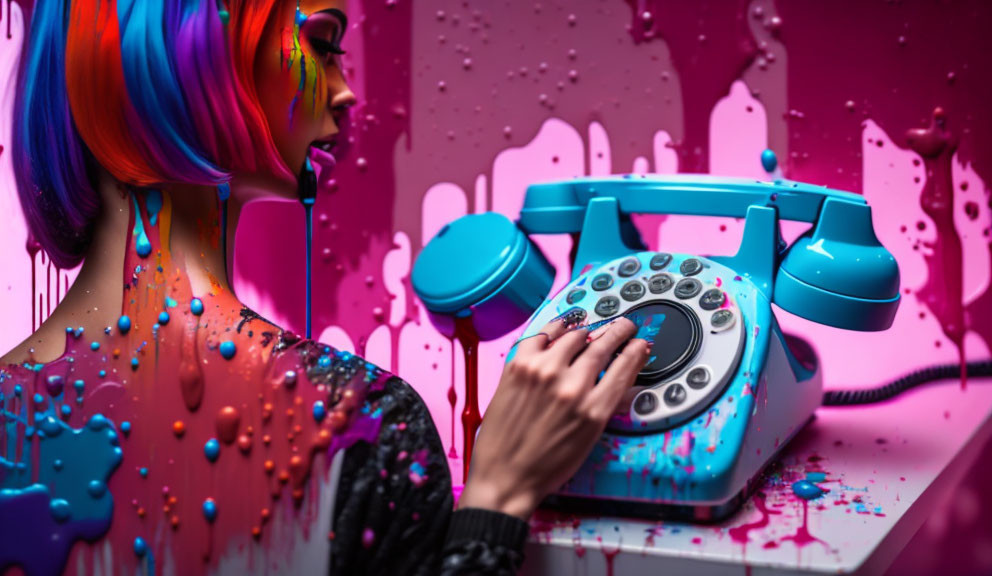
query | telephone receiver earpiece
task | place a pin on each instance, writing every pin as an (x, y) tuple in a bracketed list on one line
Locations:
[(838, 273), (482, 266)]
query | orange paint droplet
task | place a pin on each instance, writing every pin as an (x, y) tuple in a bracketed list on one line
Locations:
[(175, 522), (269, 466), (289, 413), (283, 477), (266, 439), (298, 494), (265, 515), (256, 532), (178, 428), (141, 512)]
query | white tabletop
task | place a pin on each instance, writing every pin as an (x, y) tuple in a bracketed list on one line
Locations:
[(886, 468)]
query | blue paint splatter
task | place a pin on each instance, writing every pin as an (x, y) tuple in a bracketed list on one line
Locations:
[(196, 306), (768, 160), (71, 462), (807, 490)]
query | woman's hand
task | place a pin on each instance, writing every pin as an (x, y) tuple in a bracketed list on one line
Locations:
[(548, 412)]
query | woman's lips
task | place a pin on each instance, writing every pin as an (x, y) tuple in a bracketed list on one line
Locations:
[(323, 164)]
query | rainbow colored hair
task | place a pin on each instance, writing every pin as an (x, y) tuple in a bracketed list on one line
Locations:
[(156, 92)]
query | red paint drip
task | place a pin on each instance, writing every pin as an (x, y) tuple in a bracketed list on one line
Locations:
[(452, 400), (467, 337), (802, 537), (942, 293), (739, 534)]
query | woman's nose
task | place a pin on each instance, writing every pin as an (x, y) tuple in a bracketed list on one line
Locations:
[(342, 100)]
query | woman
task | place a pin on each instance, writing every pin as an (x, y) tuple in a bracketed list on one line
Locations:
[(155, 416)]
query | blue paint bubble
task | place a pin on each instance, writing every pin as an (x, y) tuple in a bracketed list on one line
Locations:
[(319, 411), (18, 390), (816, 476), (57, 464), (140, 548), (163, 317), (196, 306), (66, 410), (96, 488), (324, 361), (228, 349), (807, 490), (768, 160), (126, 427), (142, 246), (60, 510), (94, 346), (124, 324), (134, 363), (79, 385), (68, 329), (143, 472), (212, 449), (102, 373), (50, 426), (210, 510), (38, 398)]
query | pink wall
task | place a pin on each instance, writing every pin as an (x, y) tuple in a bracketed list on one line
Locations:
[(465, 103)]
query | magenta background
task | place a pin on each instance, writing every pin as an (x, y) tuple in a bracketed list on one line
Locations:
[(465, 103)]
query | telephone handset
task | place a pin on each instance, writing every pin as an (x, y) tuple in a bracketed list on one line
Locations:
[(693, 436)]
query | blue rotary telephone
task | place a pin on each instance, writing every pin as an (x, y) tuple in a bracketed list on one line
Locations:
[(724, 389)]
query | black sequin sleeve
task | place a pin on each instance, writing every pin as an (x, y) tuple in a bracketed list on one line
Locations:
[(393, 511)]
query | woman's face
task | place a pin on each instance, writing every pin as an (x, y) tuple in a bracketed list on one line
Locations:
[(299, 80)]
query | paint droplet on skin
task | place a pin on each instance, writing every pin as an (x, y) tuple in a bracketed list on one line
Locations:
[(163, 318), (228, 421), (140, 548), (212, 450), (126, 427), (319, 411), (210, 510), (94, 346), (289, 379), (196, 306), (228, 349), (178, 428), (60, 510), (807, 490)]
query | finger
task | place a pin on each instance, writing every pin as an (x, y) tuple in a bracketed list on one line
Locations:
[(564, 349), (603, 400), (542, 339), (598, 353)]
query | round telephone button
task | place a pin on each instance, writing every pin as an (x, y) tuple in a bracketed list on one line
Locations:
[(675, 395), (691, 267), (629, 267), (712, 299), (660, 283), (722, 319), (632, 291), (688, 288), (575, 296), (659, 261), (698, 378), (645, 403), (602, 282), (607, 306)]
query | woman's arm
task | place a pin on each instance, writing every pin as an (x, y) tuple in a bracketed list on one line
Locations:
[(394, 502)]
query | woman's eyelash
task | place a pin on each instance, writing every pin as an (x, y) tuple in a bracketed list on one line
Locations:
[(325, 47)]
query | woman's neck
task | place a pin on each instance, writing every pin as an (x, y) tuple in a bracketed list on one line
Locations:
[(185, 233)]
